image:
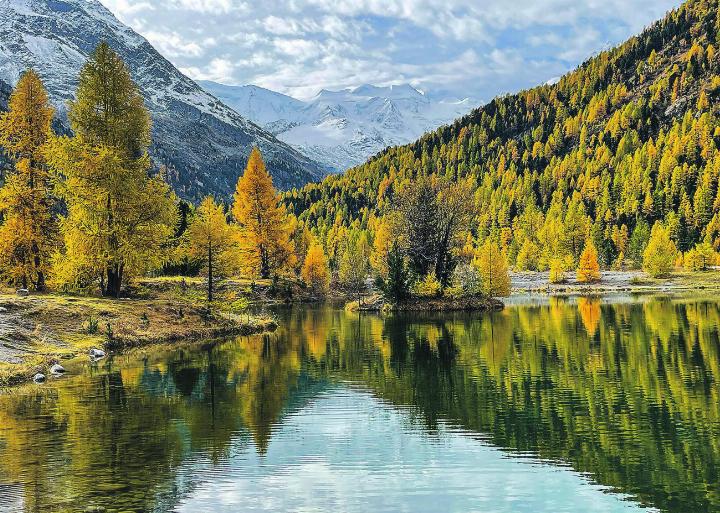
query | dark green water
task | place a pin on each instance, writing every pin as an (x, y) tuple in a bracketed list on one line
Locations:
[(556, 406)]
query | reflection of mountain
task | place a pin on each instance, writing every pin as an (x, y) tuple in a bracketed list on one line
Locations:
[(624, 392)]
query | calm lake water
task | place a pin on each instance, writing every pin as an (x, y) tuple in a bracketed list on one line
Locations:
[(552, 405)]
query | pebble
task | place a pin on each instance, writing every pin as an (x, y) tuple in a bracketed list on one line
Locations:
[(57, 369), (23, 292), (97, 354), (39, 378)]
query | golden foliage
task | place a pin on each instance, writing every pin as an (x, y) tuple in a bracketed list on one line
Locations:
[(264, 222), (660, 253), (493, 267), (588, 270), (315, 271), (28, 234)]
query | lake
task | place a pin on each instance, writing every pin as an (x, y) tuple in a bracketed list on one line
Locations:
[(552, 405)]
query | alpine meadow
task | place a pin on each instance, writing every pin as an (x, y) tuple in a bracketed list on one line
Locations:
[(201, 310)]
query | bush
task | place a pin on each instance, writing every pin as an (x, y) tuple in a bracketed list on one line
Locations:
[(428, 287), (466, 280)]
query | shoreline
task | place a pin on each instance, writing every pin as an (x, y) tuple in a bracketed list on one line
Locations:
[(633, 282), (41, 330)]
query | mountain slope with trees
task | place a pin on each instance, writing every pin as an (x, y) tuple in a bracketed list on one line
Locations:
[(627, 140)]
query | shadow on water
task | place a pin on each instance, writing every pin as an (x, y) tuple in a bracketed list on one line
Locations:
[(626, 393)]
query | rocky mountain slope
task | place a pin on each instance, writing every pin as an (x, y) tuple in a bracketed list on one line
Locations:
[(202, 141), (342, 129)]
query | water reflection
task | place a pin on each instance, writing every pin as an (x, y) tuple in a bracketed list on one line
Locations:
[(348, 412)]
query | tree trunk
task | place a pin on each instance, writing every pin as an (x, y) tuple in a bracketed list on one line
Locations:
[(40, 282), (114, 281), (210, 274)]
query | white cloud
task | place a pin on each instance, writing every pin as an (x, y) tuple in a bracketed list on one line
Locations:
[(461, 48)]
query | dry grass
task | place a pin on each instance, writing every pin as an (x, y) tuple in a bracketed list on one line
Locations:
[(39, 330)]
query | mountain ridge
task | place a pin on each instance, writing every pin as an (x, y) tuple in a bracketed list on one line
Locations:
[(342, 128), (203, 143)]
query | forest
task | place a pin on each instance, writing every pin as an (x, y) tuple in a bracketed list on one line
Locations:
[(616, 162), (615, 166)]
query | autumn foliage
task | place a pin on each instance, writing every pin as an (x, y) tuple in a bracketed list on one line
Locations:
[(263, 221)]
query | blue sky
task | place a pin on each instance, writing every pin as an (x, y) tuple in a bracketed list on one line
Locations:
[(449, 48)]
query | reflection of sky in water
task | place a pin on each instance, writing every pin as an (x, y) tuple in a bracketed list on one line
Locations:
[(349, 452)]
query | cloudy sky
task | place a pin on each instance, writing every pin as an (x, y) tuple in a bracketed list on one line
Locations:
[(450, 48)]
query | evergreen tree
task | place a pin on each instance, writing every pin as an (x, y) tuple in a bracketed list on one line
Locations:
[(119, 219), (28, 234), (396, 287), (266, 230)]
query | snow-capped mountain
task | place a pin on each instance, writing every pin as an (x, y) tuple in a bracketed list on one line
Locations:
[(202, 141), (341, 129)]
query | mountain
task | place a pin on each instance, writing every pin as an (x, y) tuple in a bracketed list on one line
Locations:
[(342, 129), (202, 141), (628, 139)]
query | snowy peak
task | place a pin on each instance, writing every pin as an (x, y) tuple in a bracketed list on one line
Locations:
[(203, 142), (342, 129)]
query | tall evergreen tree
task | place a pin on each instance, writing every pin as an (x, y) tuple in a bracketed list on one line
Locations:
[(28, 234)]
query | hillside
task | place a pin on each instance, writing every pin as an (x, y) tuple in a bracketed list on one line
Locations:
[(627, 139), (342, 129), (203, 142)]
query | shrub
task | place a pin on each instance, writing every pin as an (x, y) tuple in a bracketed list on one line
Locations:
[(466, 280), (428, 287)]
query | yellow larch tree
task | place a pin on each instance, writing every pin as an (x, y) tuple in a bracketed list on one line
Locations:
[(211, 240), (28, 234), (588, 270), (659, 255), (119, 218), (492, 264), (264, 222), (315, 271)]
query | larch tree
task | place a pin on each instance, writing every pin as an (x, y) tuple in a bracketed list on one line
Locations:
[(316, 271), (588, 270), (119, 218), (264, 222), (660, 253), (492, 264), (355, 264), (211, 240), (28, 234)]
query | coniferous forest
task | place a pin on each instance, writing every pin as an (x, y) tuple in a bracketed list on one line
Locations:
[(619, 151)]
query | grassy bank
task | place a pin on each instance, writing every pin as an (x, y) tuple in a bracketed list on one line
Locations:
[(40, 330)]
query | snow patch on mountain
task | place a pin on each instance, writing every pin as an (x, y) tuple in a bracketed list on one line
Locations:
[(203, 142), (342, 129)]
